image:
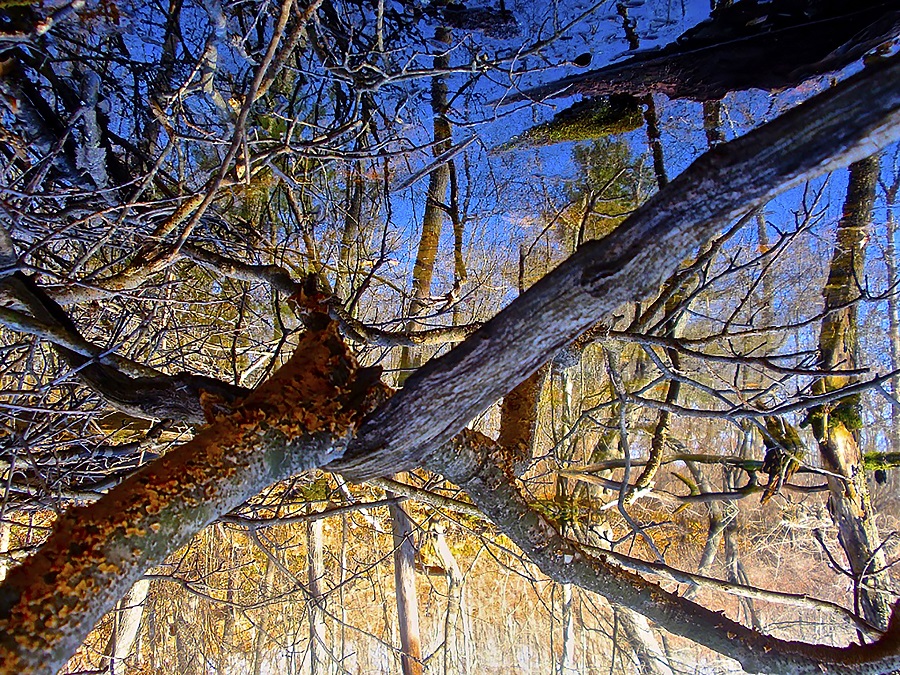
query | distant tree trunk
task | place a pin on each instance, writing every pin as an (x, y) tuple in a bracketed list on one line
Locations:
[(4, 549), (890, 256), (456, 641), (435, 199), (260, 637), (836, 427), (318, 662), (649, 658), (423, 272), (353, 219), (405, 588), (567, 665), (127, 625)]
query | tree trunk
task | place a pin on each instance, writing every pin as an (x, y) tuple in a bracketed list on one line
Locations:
[(455, 640), (836, 427), (405, 589), (127, 626), (318, 662)]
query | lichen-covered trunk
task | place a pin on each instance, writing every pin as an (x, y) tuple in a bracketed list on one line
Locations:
[(836, 427), (299, 419)]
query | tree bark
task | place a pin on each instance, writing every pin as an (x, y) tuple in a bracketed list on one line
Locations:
[(405, 591), (786, 48), (127, 625), (299, 419), (315, 545), (836, 428), (302, 417)]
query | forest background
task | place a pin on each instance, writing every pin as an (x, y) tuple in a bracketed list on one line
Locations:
[(194, 191)]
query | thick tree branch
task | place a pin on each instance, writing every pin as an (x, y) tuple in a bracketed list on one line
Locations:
[(302, 417), (835, 128), (475, 467), (299, 419)]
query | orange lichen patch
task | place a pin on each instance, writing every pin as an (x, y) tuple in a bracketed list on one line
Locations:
[(95, 551)]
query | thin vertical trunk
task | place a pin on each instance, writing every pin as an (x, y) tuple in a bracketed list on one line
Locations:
[(318, 662), (717, 523), (259, 640), (893, 308), (4, 548), (435, 199), (405, 588), (352, 223), (567, 665), (455, 661), (649, 658), (128, 617), (836, 427), (423, 273)]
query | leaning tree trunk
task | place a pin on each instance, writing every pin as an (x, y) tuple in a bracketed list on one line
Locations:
[(836, 427)]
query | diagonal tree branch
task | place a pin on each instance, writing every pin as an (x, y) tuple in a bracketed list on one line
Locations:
[(835, 128), (303, 416)]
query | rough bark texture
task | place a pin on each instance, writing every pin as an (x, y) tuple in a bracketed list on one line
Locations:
[(518, 418), (787, 41), (299, 419), (836, 427), (839, 126), (302, 417)]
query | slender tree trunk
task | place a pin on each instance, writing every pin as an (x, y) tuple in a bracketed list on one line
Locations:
[(423, 272), (260, 638), (836, 427), (890, 256), (455, 661), (4, 548), (405, 587), (435, 199), (318, 662), (649, 658), (128, 619)]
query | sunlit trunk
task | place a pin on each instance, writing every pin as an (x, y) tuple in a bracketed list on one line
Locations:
[(836, 427)]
